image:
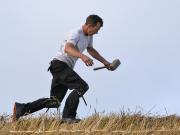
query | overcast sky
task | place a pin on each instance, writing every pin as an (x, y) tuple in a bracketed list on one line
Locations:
[(143, 34)]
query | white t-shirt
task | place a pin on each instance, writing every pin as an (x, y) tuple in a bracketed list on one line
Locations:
[(79, 40)]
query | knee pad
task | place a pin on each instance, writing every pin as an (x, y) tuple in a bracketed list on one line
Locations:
[(82, 91), (52, 103)]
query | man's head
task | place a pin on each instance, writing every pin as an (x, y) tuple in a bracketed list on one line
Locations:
[(92, 25)]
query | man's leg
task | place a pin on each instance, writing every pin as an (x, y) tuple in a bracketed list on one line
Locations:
[(80, 87), (64, 75), (72, 102), (21, 109), (40, 104), (71, 105), (57, 94), (58, 90)]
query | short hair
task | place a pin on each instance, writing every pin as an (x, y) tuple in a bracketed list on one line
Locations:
[(94, 19)]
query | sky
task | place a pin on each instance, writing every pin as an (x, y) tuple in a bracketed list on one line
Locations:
[(143, 34)]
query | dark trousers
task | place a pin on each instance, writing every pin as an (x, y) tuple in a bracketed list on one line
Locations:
[(64, 78)]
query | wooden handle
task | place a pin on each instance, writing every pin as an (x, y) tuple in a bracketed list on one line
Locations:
[(99, 68)]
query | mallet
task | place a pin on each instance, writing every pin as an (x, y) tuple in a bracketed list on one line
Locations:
[(113, 65)]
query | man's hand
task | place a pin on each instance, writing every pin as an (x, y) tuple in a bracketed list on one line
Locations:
[(94, 53), (107, 64), (88, 61)]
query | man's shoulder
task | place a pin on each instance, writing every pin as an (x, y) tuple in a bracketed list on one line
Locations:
[(77, 30)]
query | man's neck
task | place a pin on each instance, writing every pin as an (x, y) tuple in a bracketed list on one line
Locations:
[(84, 28)]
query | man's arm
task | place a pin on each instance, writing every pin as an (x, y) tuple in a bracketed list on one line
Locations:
[(72, 51), (95, 54)]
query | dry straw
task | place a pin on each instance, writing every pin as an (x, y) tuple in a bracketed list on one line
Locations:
[(115, 124)]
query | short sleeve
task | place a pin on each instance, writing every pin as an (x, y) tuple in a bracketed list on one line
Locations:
[(73, 38), (90, 44)]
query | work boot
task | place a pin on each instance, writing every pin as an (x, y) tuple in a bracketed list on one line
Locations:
[(70, 120), (17, 111)]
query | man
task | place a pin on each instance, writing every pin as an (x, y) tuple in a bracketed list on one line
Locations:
[(64, 77)]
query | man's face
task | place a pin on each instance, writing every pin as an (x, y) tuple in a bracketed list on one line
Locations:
[(93, 29)]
